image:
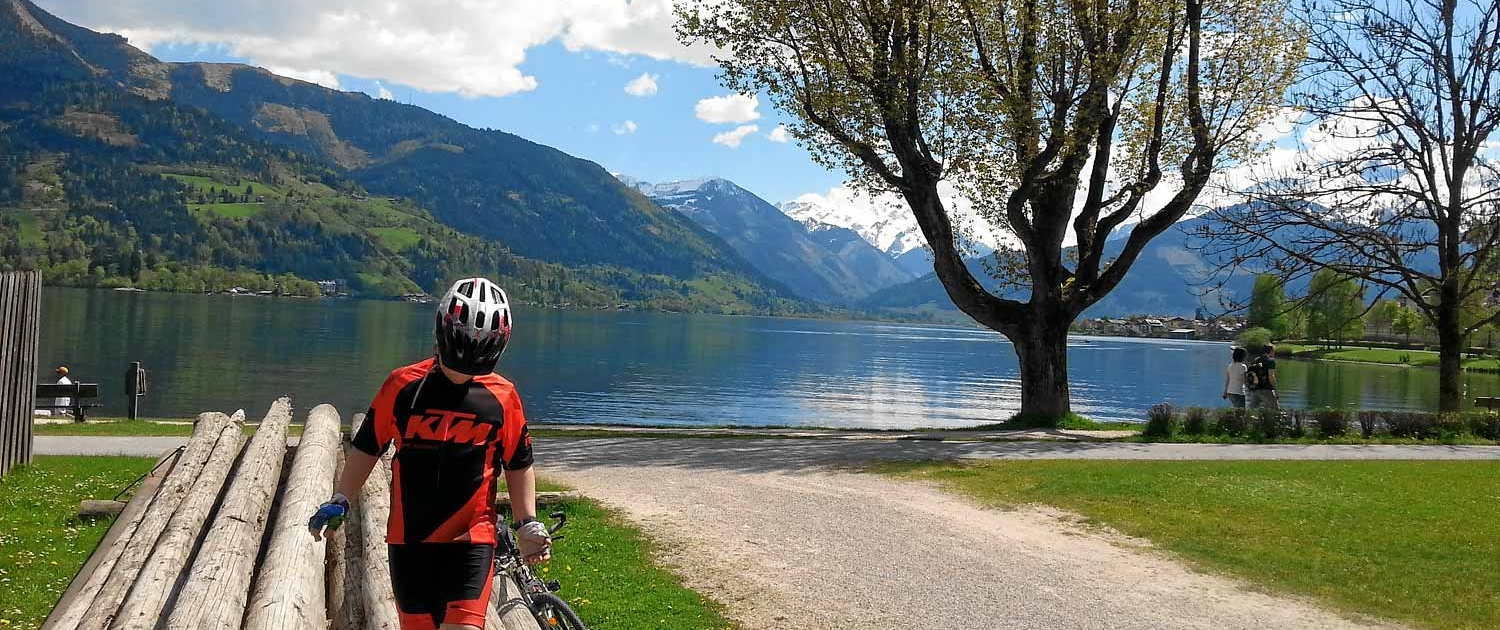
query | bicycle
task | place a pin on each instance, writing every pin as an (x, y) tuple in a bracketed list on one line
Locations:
[(538, 595)]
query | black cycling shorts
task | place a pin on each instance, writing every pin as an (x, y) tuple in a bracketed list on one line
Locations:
[(438, 583)]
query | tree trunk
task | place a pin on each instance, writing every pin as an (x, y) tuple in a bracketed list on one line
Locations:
[(1042, 347), (1450, 355), (372, 512), (289, 588), (121, 575), (159, 579), (218, 578)]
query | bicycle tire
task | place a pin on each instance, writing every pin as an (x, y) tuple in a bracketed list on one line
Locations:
[(562, 618)]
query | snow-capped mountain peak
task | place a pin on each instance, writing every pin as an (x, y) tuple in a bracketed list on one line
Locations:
[(884, 220)]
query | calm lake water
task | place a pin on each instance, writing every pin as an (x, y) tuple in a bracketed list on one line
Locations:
[(227, 353)]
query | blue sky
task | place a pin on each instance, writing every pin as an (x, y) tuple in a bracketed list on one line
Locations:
[(576, 77)]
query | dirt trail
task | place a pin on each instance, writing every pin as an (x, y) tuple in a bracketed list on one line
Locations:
[(814, 548)]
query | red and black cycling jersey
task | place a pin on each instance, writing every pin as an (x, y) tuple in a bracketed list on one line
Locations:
[(451, 439)]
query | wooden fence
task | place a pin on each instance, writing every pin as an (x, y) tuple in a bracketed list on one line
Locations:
[(20, 296)]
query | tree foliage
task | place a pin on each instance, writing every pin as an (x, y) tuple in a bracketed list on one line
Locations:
[(1394, 186), (1053, 116), (1335, 305), (1268, 306)]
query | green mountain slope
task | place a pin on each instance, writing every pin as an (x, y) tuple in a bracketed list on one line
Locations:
[(540, 201), (104, 180)]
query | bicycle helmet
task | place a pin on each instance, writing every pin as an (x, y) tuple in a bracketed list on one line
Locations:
[(473, 326)]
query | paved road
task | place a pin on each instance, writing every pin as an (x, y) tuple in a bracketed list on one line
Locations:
[(794, 454)]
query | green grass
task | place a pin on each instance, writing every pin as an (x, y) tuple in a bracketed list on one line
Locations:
[(42, 542), (31, 226), (227, 210), (1072, 421), (609, 579), (138, 428), (605, 565), (1390, 356), (399, 239), (1410, 541)]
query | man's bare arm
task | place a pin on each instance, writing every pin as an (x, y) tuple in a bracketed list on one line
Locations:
[(521, 484), (357, 467)]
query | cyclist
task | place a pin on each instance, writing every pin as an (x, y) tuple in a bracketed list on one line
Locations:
[(454, 423)]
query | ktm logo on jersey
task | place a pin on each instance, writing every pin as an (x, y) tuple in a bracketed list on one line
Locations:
[(448, 426)]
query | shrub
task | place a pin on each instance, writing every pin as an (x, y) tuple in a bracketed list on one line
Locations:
[(1370, 422), (1195, 421), (1449, 425), (1269, 424), (1296, 423), (1331, 422), (1232, 422), (1161, 421), (1485, 424), (1253, 339), (1415, 424)]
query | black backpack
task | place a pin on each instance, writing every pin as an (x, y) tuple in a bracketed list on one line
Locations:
[(1256, 375)]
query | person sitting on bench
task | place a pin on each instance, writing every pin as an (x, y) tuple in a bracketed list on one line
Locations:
[(62, 379)]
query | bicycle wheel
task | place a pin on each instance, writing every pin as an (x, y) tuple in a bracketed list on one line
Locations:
[(554, 614)]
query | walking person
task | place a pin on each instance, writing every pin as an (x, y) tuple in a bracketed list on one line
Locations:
[(1260, 380), (454, 423), (1234, 378)]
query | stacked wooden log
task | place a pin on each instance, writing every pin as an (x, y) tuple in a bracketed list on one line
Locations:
[(217, 539)]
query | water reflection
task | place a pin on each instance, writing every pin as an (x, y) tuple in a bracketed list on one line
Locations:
[(220, 352)]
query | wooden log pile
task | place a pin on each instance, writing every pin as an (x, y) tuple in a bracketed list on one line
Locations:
[(216, 539)]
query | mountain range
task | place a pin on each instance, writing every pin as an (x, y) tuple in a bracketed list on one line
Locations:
[(109, 157), (829, 264), (117, 169)]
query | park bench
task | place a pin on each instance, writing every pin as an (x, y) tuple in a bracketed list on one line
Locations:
[(83, 396), (1487, 403)]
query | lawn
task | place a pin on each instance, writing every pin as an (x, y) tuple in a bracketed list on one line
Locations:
[(397, 238), (608, 577), (136, 428), (42, 543), (227, 210), (604, 564), (1392, 356), (31, 226), (1408, 541)]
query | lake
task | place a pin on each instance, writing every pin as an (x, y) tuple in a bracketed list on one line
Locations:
[(595, 367)]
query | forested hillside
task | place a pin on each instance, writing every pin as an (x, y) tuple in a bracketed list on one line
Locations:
[(105, 181)]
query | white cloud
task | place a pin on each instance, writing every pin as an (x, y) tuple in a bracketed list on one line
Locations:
[(382, 93), (728, 109), (626, 127), (324, 78), (779, 134), (644, 85), (472, 48), (732, 139), (591, 128)]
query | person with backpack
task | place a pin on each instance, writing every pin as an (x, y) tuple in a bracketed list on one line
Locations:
[(458, 430), (1234, 378), (1260, 380)]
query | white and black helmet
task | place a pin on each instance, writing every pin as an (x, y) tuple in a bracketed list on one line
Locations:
[(473, 326)]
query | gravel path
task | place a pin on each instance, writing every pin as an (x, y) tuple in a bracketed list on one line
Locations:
[(826, 549)]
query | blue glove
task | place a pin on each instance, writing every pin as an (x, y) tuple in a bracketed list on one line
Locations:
[(329, 516)]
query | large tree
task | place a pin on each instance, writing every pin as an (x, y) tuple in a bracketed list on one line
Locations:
[(1335, 305), (1268, 308), (1393, 186), (1049, 114)]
